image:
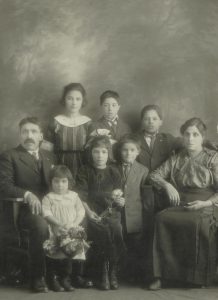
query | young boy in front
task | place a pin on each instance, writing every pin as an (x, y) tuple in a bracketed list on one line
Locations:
[(134, 177)]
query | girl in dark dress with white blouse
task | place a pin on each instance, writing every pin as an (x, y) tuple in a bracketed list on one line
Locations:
[(98, 184)]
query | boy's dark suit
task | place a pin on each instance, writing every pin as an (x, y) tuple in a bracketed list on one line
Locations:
[(133, 188), (152, 157), (21, 172), (117, 130), (133, 221), (163, 147)]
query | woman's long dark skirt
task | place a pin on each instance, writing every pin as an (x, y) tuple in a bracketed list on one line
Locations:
[(185, 242)]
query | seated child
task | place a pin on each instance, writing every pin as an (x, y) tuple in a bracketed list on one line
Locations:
[(109, 124), (134, 177), (64, 212), (97, 185)]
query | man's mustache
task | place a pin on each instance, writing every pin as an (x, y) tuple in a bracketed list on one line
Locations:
[(29, 141)]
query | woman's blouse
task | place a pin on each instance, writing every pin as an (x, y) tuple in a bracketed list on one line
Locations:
[(184, 171), (96, 185), (67, 209)]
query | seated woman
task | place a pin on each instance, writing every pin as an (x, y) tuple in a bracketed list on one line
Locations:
[(185, 234)]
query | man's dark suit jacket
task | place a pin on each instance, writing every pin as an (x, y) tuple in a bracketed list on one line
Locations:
[(19, 172)]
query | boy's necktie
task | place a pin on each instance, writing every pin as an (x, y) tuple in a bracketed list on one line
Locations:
[(150, 139), (126, 169)]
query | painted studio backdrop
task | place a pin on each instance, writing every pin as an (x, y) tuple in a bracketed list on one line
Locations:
[(150, 51)]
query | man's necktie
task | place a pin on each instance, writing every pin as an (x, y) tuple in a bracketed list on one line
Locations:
[(35, 155)]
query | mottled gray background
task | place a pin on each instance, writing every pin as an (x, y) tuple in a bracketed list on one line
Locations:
[(150, 51)]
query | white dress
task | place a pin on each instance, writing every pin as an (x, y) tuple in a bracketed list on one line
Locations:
[(67, 209)]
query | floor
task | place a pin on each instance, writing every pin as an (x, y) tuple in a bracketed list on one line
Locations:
[(124, 293)]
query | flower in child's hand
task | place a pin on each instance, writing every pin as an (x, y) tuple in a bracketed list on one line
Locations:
[(117, 197), (116, 194)]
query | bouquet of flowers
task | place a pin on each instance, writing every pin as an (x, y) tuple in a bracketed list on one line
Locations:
[(71, 244), (74, 241)]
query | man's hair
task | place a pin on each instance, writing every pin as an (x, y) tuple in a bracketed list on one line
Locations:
[(33, 120)]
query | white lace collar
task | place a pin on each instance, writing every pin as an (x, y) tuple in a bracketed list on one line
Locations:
[(77, 121)]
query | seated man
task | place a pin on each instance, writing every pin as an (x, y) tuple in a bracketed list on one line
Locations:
[(24, 174)]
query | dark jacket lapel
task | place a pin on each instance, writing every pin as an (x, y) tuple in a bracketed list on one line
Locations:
[(157, 142), (46, 165), (27, 159), (144, 145)]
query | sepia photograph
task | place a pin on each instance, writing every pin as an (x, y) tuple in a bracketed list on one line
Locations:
[(109, 149)]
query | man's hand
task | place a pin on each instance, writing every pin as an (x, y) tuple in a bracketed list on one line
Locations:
[(34, 203), (172, 194)]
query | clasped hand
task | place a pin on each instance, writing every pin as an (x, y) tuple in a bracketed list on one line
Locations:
[(120, 201)]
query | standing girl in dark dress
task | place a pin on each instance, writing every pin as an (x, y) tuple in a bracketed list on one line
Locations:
[(68, 131), (98, 185)]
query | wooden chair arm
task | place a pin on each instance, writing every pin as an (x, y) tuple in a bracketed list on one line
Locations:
[(16, 200)]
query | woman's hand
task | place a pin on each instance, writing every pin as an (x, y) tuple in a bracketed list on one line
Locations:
[(173, 194), (120, 201), (198, 204)]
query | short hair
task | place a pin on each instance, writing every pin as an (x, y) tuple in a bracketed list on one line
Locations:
[(127, 138), (149, 107), (61, 171), (100, 141), (74, 87), (197, 122), (32, 120), (109, 94)]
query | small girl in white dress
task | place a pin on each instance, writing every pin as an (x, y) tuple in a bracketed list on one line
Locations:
[(64, 212)]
